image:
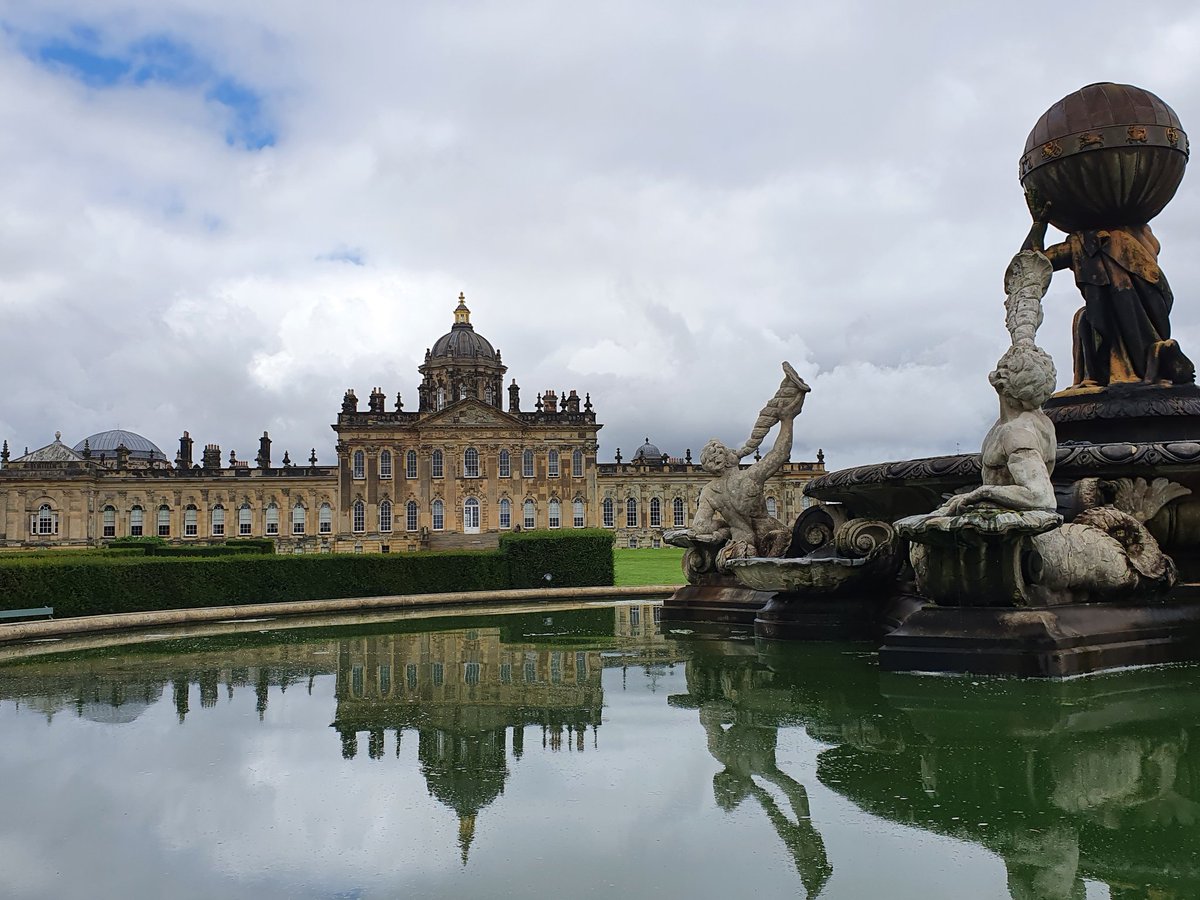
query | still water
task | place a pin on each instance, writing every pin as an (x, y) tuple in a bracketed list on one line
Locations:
[(582, 753)]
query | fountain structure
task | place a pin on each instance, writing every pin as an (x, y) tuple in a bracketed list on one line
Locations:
[(1072, 542)]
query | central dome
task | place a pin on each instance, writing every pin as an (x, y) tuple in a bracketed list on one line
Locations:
[(461, 341)]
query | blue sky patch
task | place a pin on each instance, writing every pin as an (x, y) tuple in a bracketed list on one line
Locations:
[(161, 60)]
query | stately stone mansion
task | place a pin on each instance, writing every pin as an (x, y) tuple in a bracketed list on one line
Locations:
[(470, 463)]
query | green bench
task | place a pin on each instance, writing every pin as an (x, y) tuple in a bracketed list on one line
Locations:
[(17, 615)]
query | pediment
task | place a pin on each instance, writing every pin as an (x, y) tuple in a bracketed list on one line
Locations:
[(472, 413)]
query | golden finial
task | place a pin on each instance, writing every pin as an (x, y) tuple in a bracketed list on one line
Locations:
[(462, 315)]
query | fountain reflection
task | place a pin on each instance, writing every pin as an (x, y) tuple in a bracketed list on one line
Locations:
[(1095, 779)]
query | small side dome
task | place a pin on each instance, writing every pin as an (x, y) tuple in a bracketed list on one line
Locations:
[(648, 453), (103, 445)]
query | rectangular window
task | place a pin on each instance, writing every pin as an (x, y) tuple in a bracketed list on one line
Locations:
[(410, 517), (360, 467), (385, 516), (385, 679), (360, 517), (410, 464), (610, 519), (439, 516), (505, 514), (356, 680), (505, 466), (410, 675), (527, 464), (439, 673), (471, 673), (438, 467), (576, 464), (385, 464), (506, 673)]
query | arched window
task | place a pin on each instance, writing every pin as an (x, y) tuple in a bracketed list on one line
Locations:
[(505, 513), (325, 519), (244, 520), (552, 464), (385, 515), (164, 521), (410, 516), (527, 464), (441, 397), (609, 513), (678, 508), (577, 464), (191, 526), (136, 521), (358, 517), (360, 467), (438, 464), (488, 396), (505, 467), (217, 523), (577, 513), (528, 520), (272, 518), (471, 515), (385, 464), (631, 513), (555, 514), (471, 463), (110, 521), (46, 521), (439, 515), (410, 464), (298, 517), (655, 512), (772, 507)]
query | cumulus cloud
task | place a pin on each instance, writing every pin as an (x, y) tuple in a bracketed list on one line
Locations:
[(217, 216)]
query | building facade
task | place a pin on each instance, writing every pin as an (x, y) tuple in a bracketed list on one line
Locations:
[(467, 465)]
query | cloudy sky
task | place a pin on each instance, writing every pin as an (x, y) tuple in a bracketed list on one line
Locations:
[(219, 215)]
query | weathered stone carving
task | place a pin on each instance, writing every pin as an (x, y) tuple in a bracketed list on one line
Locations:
[(732, 514), (1003, 543)]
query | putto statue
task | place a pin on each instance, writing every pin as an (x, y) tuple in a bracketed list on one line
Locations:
[(733, 512)]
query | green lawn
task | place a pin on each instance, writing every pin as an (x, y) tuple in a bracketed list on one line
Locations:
[(648, 566)]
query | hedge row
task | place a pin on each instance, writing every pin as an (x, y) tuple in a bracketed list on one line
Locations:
[(91, 585), (537, 558)]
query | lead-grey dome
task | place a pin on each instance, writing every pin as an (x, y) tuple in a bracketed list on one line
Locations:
[(104, 445)]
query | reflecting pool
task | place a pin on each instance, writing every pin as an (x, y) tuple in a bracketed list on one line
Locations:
[(581, 753)]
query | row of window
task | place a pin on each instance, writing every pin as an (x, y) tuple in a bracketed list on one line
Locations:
[(609, 512), (471, 517), (472, 671), (216, 520), (471, 468)]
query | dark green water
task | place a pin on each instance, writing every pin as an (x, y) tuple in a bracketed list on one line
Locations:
[(583, 754)]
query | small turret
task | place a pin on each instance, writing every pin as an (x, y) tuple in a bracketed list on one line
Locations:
[(349, 401), (312, 460)]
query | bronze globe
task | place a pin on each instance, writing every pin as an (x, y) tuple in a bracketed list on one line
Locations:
[(1106, 155)]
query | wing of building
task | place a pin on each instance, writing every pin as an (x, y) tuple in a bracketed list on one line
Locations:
[(470, 463)]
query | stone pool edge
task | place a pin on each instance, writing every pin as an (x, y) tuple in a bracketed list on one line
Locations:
[(52, 628)]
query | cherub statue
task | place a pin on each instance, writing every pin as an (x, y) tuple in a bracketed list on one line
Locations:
[(732, 507)]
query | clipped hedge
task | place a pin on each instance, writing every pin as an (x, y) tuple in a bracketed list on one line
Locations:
[(94, 584), (570, 558)]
